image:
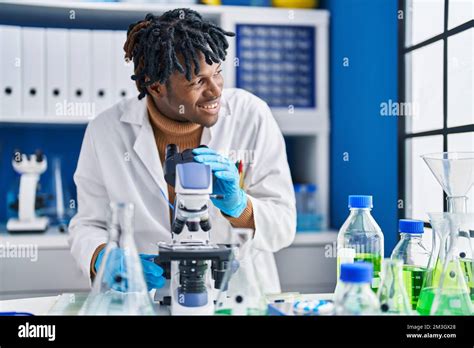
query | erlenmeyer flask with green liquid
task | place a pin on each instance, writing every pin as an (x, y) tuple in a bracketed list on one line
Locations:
[(452, 297), (454, 171), (445, 291), (440, 233)]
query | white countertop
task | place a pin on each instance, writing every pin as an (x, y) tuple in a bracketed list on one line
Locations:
[(34, 305), (61, 304)]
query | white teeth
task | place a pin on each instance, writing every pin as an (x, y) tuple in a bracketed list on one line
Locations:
[(212, 106)]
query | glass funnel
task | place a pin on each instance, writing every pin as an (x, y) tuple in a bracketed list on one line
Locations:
[(119, 287), (452, 295), (241, 292), (392, 293), (455, 173)]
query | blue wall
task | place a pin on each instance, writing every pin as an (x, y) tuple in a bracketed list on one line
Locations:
[(364, 31), (63, 141)]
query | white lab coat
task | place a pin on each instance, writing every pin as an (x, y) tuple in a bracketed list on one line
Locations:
[(119, 161)]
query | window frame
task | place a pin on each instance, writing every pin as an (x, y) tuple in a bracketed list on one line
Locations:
[(403, 136)]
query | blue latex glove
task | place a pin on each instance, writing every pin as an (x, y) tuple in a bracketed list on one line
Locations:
[(152, 272), (226, 181)]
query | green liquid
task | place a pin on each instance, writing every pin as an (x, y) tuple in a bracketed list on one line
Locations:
[(453, 302), (467, 268), (376, 260), (413, 278), (425, 301), (250, 311)]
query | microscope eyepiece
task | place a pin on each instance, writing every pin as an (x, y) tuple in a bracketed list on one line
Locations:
[(39, 155)]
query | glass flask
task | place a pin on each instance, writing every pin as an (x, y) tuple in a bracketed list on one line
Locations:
[(119, 287), (357, 298), (440, 226), (361, 233), (392, 293), (454, 171), (241, 292), (452, 296), (414, 255)]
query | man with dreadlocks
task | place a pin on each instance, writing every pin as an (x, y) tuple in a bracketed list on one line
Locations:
[(177, 61)]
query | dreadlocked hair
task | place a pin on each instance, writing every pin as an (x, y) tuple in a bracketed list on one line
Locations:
[(154, 43)]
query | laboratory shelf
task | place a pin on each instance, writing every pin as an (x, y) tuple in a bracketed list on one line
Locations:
[(51, 239), (289, 124), (45, 120), (302, 124), (314, 238)]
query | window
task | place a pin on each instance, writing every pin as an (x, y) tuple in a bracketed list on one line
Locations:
[(436, 81)]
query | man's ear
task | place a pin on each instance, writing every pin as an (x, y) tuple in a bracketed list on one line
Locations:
[(157, 90)]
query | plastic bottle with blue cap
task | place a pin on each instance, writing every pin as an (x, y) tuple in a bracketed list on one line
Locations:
[(357, 297), (362, 233), (415, 256)]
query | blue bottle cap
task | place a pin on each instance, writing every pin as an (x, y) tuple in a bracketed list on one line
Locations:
[(410, 226), (360, 201), (358, 272), (297, 187), (310, 188)]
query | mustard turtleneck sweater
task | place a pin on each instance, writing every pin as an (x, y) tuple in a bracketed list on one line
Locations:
[(186, 135)]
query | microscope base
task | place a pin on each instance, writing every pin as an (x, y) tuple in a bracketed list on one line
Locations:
[(178, 309), (37, 225)]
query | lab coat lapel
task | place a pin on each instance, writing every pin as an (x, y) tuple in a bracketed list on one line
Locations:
[(145, 145)]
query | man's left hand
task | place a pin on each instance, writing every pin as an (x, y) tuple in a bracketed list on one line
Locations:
[(226, 181)]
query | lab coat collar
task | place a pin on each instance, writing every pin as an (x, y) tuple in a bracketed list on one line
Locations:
[(133, 111)]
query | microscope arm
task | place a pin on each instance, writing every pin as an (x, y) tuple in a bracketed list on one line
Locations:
[(27, 196)]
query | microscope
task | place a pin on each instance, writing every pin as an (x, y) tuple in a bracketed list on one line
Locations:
[(194, 266), (30, 167)]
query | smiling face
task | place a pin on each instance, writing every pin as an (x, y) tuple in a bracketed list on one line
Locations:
[(195, 101)]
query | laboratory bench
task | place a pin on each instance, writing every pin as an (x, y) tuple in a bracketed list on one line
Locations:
[(71, 303), (302, 267)]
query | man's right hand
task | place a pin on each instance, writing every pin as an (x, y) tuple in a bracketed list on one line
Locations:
[(153, 273)]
